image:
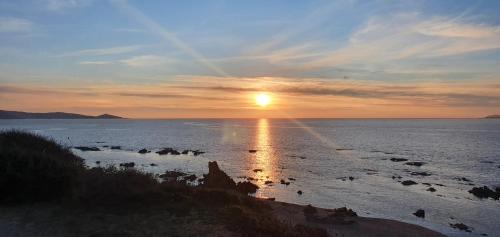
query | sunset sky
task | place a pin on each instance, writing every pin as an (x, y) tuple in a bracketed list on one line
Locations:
[(209, 59)]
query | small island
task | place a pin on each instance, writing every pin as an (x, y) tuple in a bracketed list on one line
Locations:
[(4, 114), (494, 116)]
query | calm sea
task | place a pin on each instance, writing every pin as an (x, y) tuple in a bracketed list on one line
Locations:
[(320, 155)]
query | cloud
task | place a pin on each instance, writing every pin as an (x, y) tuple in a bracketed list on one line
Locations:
[(165, 95), (95, 62), (146, 61), (58, 5), (410, 36), (15, 25), (103, 51)]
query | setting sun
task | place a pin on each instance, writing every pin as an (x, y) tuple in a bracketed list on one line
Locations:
[(263, 100)]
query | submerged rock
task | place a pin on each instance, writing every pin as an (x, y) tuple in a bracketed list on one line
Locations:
[(267, 182), (127, 165), (143, 151), (420, 173), (168, 150), (257, 170), (284, 182), (408, 182), (419, 213), (172, 174), (431, 189), (116, 147), (461, 226), (485, 192), (86, 148), (299, 192), (246, 187), (398, 159), (415, 163), (252, 151)]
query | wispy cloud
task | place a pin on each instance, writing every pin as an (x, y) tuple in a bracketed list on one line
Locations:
[(147, 61), (95, 62), (15, 25), (103, 51), (58, 5)]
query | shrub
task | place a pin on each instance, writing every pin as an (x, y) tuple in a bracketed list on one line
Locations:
[(117, 187), (34, 168)]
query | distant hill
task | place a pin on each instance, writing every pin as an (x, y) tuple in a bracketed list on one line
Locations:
[(53, 115), (495, 116)]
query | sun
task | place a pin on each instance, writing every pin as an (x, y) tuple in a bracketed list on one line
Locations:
[(263, 99)]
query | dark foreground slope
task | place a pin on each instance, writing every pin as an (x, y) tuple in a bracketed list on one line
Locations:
[(53, 115), (50, 193)]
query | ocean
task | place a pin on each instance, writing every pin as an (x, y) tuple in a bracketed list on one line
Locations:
[(357, 163)]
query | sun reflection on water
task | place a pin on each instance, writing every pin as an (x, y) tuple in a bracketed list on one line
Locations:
[(264, 158)]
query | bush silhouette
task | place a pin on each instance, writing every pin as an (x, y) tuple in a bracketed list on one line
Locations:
[(34, 168)]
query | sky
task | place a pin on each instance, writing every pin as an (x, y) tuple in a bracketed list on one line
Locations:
[(209, 59)]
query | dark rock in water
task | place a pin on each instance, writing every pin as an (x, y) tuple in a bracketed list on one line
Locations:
[(127, 165), (168, 150), (398, 159), (173, 174), (257, 170), (246, 187), (284, 182), (216, 178), (351, 178), (415, 163), (431, 189), (420, 213), (485, 192), (310, 210), (461, 226), (291, 179), (195, 152), (426, 184), (271, 199), (343, 149), (408, 182), (299, 192), (420, 173), (343, 212), (143, 151), (153, 164), (185, 152), (463, 179), (116, 147), (252, 151), (86, 148), (268, 182), (190, 178), (97, 162)]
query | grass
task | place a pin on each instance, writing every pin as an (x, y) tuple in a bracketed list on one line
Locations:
[(37, 169)]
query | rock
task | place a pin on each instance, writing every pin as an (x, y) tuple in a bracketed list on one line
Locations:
[(408, 182), (485, 192), (426, 184), (252, 151), (168, 150), (97, 162), (351, 178), (195, 152), (257, 170), (116, 147), (172, 174), (343, 212), (420, 173), (461, 226), (291, 179), (398, 159), (271, 199), (190, 178), (284, 182), (299, 192), (246, 187), (463, 179), (86, 148), (127, 165), (143, 151), (420, 213), (431, 189), (153, 164), (216, 178), (185, 152), (415, 163), (267, 182)]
